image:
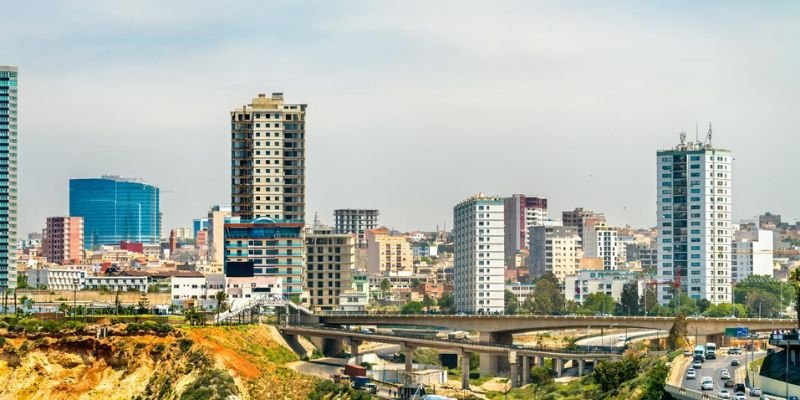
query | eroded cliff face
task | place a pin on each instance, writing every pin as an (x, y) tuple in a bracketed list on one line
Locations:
[(189, 363)]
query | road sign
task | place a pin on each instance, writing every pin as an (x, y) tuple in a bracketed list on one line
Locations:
[(737, 332)]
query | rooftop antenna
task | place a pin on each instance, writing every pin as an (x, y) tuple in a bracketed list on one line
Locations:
[(708, 135), (696, 132), (683, 138)]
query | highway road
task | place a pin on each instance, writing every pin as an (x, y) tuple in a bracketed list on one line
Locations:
[(713, 368), (617, 339)]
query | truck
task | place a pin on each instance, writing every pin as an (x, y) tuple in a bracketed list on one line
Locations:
[(354, 370), (360, 382), (699, 353), (457, 335), (711, 351)]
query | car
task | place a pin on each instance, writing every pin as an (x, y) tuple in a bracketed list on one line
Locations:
[(697, 365), (691, 373), (735, 362), (728, 383), (687, 353), (755, 391), (734, 351), (707, 383), (793, 398), (622, 338), (724, 374), (739, 396), (724, 394), (738, 388)]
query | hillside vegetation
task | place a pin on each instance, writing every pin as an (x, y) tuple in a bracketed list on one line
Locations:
[(144, 361)]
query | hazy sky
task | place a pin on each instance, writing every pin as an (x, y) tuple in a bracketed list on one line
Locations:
[(413, 106)]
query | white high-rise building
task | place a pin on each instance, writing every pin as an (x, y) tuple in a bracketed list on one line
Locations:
[(694, 221), (554, 249), (752, 253), (478, 238)]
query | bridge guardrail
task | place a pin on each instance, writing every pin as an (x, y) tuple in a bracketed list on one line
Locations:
[(545, 316), (593, 350), (689, 394)]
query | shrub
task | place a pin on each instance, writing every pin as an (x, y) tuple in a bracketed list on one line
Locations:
[(133, 327), (185, 344), (158, 348), (4, 324)]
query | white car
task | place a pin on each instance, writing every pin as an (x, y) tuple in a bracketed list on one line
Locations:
[(739, 396), (725, 375), (691, 373), (755, 391), (707, 383), (724, 394)]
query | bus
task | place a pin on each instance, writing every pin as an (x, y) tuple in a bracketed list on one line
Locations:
[(711, 349), (700, 353)]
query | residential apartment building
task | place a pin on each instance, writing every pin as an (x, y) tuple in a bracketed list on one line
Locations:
[(330, 258), (752, 253), (578, 218), (520, 213), (8, 176), (356, 297), (478, 242), (266, 247), (117, 283), (600, 241), (116, 209), (268, 159), (583, 283), (356, 221), (57, 278), (62, 241), (388, 254), (522, 291), (694, 221), (554, 249)]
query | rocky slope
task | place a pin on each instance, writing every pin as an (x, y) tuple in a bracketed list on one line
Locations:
[(187, 363)]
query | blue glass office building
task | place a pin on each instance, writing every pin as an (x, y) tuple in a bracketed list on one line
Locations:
[(115, 209), (8, 177)]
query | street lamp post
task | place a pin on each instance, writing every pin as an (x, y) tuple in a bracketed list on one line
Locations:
[(75, 282)]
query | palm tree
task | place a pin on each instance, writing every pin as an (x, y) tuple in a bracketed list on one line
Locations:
[(222, 302)]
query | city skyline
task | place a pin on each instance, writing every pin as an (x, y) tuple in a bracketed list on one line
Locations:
[(552, 114)]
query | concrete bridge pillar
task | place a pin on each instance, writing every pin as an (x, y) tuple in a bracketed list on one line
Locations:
[(526, 370), (538, 361), (493, 364), (354, 350), (465, 370), (409, 353), (513, 368), (328, 347), (558, 366), (581, 366)]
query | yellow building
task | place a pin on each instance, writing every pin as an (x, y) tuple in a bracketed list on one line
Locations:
[(388, 254)]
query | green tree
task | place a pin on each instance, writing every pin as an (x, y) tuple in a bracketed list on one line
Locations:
[(511, 301), (762, 284), (629, 299), (598, 303), (412, 307), (677, 334), (762, 304), (143, 304), (222, 302), (655, 378), (794, 278), (386, 286), (702, 305), (686, 305), (22, 281), (611, 374), (648, 302), (726, 310), (547, 296), (427, 301), (446, 302), (541, 375)]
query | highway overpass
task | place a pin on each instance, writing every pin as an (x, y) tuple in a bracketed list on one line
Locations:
[(519, 359)]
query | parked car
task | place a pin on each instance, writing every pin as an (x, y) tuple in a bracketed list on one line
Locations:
[(691, 373), (755, 391), (707, 383)]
